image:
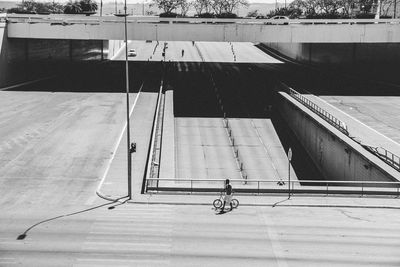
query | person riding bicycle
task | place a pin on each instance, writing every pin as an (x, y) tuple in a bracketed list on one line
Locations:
[(228, 195)]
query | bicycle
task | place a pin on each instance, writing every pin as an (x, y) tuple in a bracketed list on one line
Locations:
[(220, 201)]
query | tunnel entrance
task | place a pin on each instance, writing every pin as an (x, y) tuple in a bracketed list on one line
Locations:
[(247, 92)]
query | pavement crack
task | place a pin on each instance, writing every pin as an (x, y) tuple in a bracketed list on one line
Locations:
[(353, 217)]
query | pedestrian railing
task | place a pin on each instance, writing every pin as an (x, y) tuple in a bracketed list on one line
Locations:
[(335, 122), (387, 156), (160, 185), (153, 157)]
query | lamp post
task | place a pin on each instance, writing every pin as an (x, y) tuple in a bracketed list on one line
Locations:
[(128, 130), (131, 148), (290, 154)]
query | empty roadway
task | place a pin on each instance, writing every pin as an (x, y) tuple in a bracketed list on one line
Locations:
[(56, 147)]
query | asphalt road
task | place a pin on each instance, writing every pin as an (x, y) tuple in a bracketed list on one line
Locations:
[(378, 112), (196, 52), (55, 148)]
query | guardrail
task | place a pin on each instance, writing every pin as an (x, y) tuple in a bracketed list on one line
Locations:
[(335, 122), (157, 185), (33, 18), (387, 156), (151, 163)]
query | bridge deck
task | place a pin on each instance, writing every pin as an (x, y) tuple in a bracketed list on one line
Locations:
[(196, 52), (371, 120)]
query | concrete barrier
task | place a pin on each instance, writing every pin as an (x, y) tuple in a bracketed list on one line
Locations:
[(167, 162), (338, 53), (336, 155)]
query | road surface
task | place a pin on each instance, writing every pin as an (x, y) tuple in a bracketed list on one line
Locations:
[(196, 52)]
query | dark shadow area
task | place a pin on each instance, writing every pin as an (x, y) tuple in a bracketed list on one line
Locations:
[(301, 161), (353, 79), (193, 93), (246, 90), (107, 77), (24, 234)]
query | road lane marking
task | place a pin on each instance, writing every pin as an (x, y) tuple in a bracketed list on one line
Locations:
[(355, 119), (277, 249), (118, 141)]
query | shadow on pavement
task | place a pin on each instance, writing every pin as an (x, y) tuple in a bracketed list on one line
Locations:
[(24, 234)]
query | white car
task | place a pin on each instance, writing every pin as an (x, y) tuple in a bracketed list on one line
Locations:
[(279, 20), (132, 53)]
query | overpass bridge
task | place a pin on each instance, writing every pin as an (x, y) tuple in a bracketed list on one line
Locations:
[(198, 29)]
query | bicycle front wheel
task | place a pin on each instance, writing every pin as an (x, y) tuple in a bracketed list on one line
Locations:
[(217, 203), (235, 203)]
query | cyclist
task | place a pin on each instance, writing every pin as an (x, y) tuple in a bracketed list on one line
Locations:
[(228, 195)]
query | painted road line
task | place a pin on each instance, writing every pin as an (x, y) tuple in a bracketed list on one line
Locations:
[(121, 262), (265, 148), (117, 144), (355, 119), (273, 237), (119, 51)]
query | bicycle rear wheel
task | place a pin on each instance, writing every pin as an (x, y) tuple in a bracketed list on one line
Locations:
[(235, 203), (217, 203)]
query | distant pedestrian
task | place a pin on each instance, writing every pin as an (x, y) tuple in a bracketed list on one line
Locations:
[(183, 52), (193, 43), (228, 195)]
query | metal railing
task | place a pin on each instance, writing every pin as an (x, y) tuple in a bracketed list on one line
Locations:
[(390, 158), (335, 122), (158, 185), (155, 19), (152, 165)]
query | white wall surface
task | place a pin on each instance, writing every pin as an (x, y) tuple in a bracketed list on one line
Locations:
[(235, 32)]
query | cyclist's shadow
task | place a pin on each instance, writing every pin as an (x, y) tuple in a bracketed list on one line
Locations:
[(221, 212)]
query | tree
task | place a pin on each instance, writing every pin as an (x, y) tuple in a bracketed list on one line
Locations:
[(233, 4), (72, 8), (88, 5), (202, 6), (227, 6), (167, 5), (37, 7), (252, 13), (184, 7), (79, 7)]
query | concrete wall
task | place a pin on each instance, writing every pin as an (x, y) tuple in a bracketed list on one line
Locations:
[(93, 29), (335, 155), (22, 60), (167, 160), (113, 47), (3, 48), (339, 53)]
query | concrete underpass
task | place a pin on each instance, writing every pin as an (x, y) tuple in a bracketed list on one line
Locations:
[(64, 139)]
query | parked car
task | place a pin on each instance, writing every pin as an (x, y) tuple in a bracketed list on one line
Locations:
[(132, 53)]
